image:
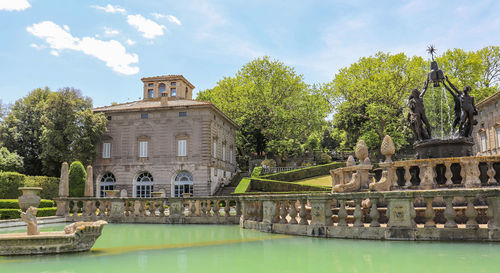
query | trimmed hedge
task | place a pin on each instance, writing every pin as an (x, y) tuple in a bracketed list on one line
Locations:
[(9, 182), (14, 204), (266, 185), (299, 174), (256, 172), (243, 186), (16, 213), (49, 185), (77, 175)]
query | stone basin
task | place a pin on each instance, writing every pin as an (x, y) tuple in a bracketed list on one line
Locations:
[(76, 237)]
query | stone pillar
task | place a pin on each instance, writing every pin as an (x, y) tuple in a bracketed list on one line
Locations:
[(117, 209), (89, 183), (318, 212), (63, 191), (270, 212), (401, 215)]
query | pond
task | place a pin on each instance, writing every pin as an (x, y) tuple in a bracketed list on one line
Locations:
[(216, 248)]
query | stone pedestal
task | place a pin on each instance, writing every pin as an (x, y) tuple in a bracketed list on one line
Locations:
[(441, 148), (401, 213), (117, 208)]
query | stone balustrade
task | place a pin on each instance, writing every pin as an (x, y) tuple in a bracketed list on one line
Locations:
[(191, 210), (466, 172), (393, 215)]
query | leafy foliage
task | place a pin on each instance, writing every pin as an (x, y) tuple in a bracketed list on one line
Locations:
[(77, 175), (10, 162), (49, 185), (47, 128), (275, 109), (9, 184)]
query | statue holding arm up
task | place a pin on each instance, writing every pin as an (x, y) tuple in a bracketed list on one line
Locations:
[(416, 113), (456, 98), (465, 110)]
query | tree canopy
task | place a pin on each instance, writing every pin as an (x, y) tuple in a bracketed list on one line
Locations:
[(275, 109), (47, 128)]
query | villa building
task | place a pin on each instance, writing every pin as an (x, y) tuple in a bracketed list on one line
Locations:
[(167, 143), (487, 133)]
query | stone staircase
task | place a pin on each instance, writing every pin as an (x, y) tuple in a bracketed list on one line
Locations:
[(229, 188)]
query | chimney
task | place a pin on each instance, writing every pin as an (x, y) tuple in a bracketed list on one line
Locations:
[(164, 98)]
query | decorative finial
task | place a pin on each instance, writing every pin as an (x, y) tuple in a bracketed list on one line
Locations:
[(431, 49)]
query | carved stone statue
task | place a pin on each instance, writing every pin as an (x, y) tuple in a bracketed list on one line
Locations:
[(416, 115), (465, 110), (351, 186), (29, 217)]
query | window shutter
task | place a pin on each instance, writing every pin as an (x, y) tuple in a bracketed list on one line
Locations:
[(106, 150), (143, 149), (181, 147)]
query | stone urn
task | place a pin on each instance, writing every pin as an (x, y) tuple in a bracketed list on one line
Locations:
[(30, 197), (111, 193)]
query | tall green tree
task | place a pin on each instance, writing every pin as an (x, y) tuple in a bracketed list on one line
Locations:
[(10, 162), (370, 98), (47, 128), (76, 179), (21, 129), (275, 109)]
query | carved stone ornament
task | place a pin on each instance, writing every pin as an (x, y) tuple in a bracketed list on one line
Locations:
[(361, 150), (387, 148)]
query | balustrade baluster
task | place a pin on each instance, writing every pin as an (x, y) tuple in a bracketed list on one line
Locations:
[(358, 214), (462, 173), (342, 214), (143, 208), (429, 213), (407, 176), (127, 208), (209, 207), (68, 208), (227, 208), (449, 213), (75, 209), (192, 208), (102, 208), (283, 212), (471, 214), (303, 213), (238, 208), (161, 208), (374, 214), (152, 208), (448, 174), (203, 208), (216, 208), (491, 173), (293, 212), (328, 213)]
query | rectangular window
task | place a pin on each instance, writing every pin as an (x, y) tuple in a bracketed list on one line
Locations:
[(182, 114), (108, 117), (173, 83), (143, 191), (106, 150), (181, 147), (231, 156), (144, 116), (143, 149), (483, 142), (151, 93), (173, 91), (150, 85), (215, 148), (223, 152), (106, 187)]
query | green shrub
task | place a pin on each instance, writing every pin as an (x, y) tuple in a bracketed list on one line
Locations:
[(243, 186), (9, 182), (265, 185), (256, 172), (323, 158), (14, 204), (268, 163), (77, 176), (10, 213), (49, 185), (16, 213)]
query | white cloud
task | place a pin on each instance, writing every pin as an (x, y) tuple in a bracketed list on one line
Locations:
[(112, 52), (110, 32), (170, 18), (110, 9), (14, 5), (39, 47), (66, 27), (130, 42), (148, 28)]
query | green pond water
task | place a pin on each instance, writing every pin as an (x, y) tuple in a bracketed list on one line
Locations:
[(215, 248)]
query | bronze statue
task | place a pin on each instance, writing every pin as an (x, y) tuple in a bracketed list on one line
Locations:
[(465, 110), (416, 115)]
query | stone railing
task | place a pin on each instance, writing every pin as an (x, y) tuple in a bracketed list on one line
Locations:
[(456, 214), (192, 210), (466, 172), (269, 170)]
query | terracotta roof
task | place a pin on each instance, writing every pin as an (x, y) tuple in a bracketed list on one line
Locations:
[(168, 78), (486, 101), (153, 104)]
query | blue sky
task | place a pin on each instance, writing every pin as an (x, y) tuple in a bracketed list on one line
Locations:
[(104, 47)]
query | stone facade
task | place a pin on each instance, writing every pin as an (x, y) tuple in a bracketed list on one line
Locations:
[(487, 132), (165, 143)]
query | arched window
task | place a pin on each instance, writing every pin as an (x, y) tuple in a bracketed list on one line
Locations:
[(183, 184), (161, 88), (107, 183), (144, 185)]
